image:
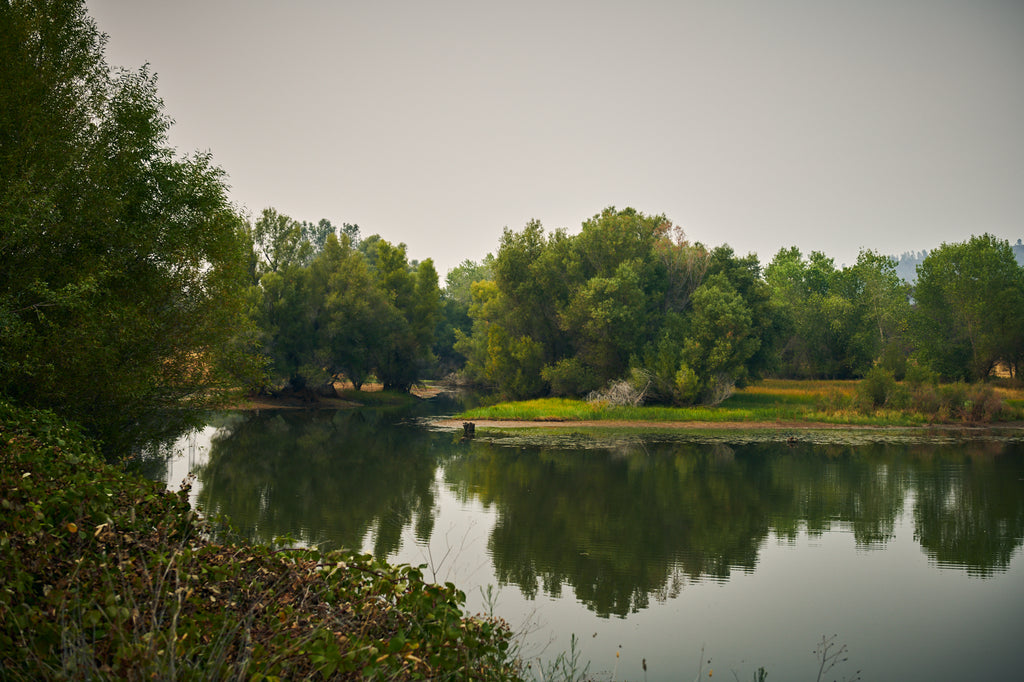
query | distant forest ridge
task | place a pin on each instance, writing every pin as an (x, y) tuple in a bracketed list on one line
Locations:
[(907, 262)]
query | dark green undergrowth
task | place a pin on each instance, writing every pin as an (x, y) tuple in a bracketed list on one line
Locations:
[(108, 576)]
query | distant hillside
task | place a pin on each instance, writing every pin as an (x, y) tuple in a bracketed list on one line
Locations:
[(906, 266)]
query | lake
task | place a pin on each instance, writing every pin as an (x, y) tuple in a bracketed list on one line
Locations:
[(686, 553)]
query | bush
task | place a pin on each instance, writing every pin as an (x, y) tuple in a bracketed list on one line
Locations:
[(109, 576), (879, 389), (569, 377), (687, 386), (958, 402), (920, 375)]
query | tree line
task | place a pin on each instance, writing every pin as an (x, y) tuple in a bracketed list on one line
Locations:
[(130, 286), (324, 303), (629, 298)]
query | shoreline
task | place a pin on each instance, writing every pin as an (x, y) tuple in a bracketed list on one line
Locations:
[(724, 425)]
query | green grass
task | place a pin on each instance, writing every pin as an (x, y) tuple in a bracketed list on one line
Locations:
[(737, 409), (774, 400)]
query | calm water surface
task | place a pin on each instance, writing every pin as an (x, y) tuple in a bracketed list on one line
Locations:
[(659, 550)]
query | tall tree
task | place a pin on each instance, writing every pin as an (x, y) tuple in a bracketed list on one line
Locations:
[(121, 265), (882, 302), (353, 308), (815, 316), (969, 308), (281, 241), (456, 299), (414, 301)]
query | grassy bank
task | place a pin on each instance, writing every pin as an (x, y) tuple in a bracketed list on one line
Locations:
[(108, 576), (787, 401)]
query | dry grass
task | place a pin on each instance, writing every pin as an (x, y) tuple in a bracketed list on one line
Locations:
[(801, 387)]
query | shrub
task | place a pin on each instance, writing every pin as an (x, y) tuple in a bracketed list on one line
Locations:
[(570, 377), (958, 402), (920, 375), (687, 386), (878, 389), (109, 576)]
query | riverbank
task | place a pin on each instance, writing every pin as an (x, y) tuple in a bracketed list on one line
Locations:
[(109, 576), (781, 405), (713, 425)]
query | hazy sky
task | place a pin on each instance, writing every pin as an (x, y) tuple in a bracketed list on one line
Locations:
[(885, 124)]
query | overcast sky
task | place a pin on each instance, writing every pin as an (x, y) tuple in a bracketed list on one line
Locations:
[(893, 125)]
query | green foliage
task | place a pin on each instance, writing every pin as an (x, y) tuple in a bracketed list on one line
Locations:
[(839, 323), (108, 576), (817, 316), (745, 277), (570, 313), (606, 319), (327, 308), (413, 305), (454, 321), (720, 339), (570, 377), (970, 308), (280, 242), (879, 389), (514, 364), (121, 265)]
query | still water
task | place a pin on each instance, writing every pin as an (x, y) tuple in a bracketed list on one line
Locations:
[(686, 554)]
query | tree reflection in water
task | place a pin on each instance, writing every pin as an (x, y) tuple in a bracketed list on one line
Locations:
[(619, 527), (326, 478)]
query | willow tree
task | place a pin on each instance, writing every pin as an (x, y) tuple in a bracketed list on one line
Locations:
[(121, 266)]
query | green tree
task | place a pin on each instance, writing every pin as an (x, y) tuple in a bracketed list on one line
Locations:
[(745, 277), (815, 316), (719, 341), (354, 309), (486, 299), (456, 299), (606, 320), (514, 363), (969, 308), (280, 241), (121, 265), (288, 315), (409, 319), (882, 301)]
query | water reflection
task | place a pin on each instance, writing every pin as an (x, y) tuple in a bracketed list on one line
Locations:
[(969, 507), (616, 527), (323, 477)]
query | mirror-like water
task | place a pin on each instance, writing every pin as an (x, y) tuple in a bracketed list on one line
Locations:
[(652, 552)]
